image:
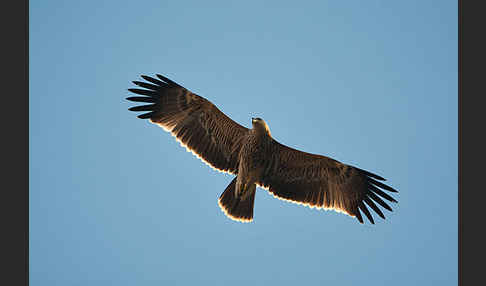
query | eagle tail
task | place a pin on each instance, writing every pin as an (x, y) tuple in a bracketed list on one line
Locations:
[(237, 208)]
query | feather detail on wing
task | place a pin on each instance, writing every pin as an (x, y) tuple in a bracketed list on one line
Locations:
[(320, 182), (196, 123)]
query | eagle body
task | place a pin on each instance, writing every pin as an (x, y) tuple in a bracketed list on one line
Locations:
[(256, 159), (253, 158)]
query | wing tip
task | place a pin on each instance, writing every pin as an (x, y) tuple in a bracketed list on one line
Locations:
[(358, 216), (365, 210), (381, 185), (146, 115), (167, 80), (369, 174)]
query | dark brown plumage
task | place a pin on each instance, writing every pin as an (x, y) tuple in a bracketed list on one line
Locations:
[(256, 158)]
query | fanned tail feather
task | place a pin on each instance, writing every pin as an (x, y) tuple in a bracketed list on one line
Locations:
[(237, 208)]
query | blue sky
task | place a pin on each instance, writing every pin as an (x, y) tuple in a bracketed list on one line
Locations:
[(115, 200)]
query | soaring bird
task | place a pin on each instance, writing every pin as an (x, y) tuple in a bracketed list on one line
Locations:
[(255, 158)]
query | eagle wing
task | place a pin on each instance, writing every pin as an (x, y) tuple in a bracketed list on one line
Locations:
[(196, 123), (321, 182)]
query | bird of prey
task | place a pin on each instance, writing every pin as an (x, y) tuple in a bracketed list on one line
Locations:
[(256, 158)]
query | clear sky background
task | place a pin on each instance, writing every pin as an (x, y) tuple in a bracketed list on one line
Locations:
[(114, 200)]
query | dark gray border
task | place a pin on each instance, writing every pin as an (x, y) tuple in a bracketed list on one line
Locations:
[(15, 142), (471, 143)]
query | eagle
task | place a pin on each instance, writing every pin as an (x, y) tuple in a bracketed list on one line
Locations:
[(256, 158)]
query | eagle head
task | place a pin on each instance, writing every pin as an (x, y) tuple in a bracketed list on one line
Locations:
[(260, 125)]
